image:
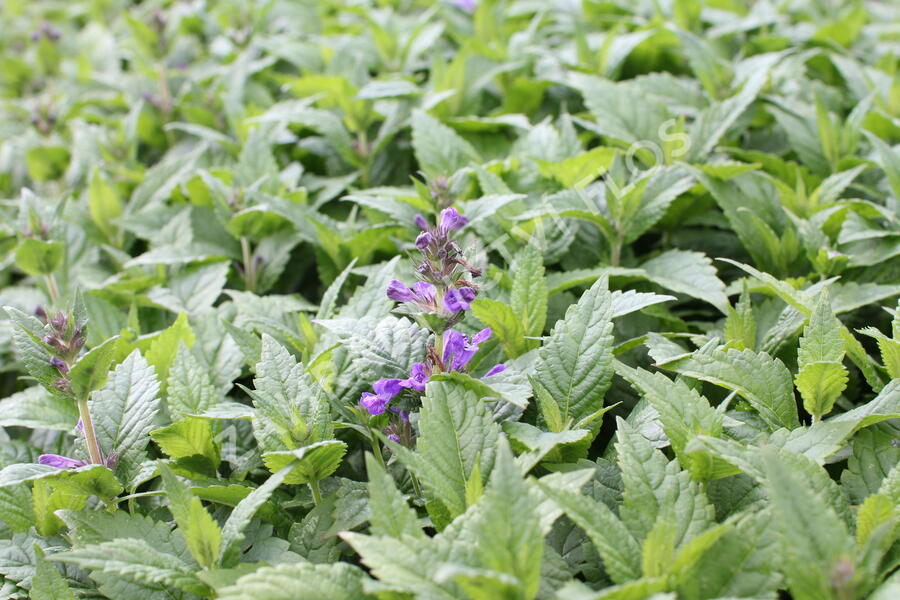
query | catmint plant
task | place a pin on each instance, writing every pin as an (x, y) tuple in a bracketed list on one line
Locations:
[(64, 341), (438, 302)]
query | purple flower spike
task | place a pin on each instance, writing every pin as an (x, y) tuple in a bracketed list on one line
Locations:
[(420, 222), (396, 290), (459, 299), (59, 364), (495, 369), (385, 390), (451, 220), (60, 462), (423, 240)]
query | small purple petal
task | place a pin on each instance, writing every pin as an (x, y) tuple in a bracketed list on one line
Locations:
[(466, 5), (389, 387), (394, 438), (418, 376), (459, 299), (424, 292), (373, 403), (499, 368), (451, 220), (59, 364), (80, 426), (423, 240), (396, 290), (420, 222), (454, 344), (60, 462), (481, 336)]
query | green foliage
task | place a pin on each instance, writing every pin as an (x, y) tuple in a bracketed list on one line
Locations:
[(683, 214)]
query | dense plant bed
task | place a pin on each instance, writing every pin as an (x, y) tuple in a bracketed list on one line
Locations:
[(409, 299)]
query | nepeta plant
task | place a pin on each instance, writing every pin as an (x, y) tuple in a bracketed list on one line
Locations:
[(457, 300), (438, 302)]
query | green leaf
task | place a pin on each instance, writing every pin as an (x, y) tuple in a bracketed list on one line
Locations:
[(189, 438), (876, 510), (512, 540), (37, 257), (760, 379), (574, 367), (504, 323), (619, 550), (291, 581), (814, 540), (820, 385), (27, 335), (233, 530), (200, 530), (390, 514), (821, 341), (889, 348), (656, 489), (161, 349), (529, 292), (135, 560), (104, 204), (439, 150), (456, 433), (689, 273), (313, 462), (48, 582), (288, 401), (683, 412), (740, 324), (190, 387), (36, 408), (580, 170), (92, 369), (123, 412)]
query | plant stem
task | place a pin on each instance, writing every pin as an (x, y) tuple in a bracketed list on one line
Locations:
[(249, 267), (90, 438), (317, 496), (415, 484), (52, 288), (376, 451), (439, 347)]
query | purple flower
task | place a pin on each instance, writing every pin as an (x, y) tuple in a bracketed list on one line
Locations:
[(60, 462), (422, 294), (419, 376), (459, 350), (420, 222), (459, 299), (466, 5), (385, 390), (59, 364), (451, 220), (397, 291), (424, 240), (498, 368)]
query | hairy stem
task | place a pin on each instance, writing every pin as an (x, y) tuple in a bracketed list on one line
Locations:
[(90, 438), (52, 288), (317, 495)]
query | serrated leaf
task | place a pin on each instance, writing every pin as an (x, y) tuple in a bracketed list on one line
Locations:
[(814, 540), (689, 273), (391, 515), (189, 437), (760, 379), (620, 552), (574, 367), (313, 462), (289, 581), (190, 389), (123, 411), (820, 385), (233, 530), (439, 149), (528, 297), (48, 583), (456, 432), (136, 560), (504, 323), (200, 530)]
